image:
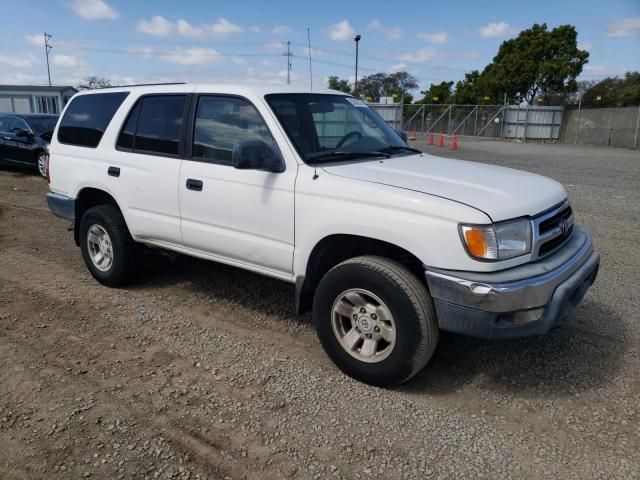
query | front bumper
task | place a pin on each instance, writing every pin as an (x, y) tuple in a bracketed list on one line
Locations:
[(522, 301)]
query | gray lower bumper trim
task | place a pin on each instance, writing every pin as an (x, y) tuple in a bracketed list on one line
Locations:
[(528, 286), (62, 206)]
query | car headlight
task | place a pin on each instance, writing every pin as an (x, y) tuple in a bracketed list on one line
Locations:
[(498, 241)]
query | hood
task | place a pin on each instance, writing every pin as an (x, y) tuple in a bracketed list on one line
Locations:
[(502, 193)]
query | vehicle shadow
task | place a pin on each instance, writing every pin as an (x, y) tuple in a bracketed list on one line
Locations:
[(568, 360)]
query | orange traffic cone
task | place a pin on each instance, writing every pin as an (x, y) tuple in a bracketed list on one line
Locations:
[(441, 140), (413, 135), (454, 143), (430, 140)]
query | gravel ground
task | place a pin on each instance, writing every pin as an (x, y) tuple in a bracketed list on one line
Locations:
[(203, 371)]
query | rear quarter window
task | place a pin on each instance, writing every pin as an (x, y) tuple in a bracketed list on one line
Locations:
[(87, 117)]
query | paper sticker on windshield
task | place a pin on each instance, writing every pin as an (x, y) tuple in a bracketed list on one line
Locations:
[(356, 102)]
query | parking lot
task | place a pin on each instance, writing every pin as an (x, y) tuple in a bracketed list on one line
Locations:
[(203, 371)]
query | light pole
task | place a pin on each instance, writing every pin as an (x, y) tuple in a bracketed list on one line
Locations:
[(357, 40)]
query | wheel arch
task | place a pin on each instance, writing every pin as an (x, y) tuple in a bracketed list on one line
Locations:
[(87, 198), (336, 248)]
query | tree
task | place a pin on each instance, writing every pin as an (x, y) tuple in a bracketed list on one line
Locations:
[(397, 85), (341, 84), (93, 82), (437, 93), (614, 92), (537, 62)]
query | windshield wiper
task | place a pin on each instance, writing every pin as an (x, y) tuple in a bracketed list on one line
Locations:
[(395, 148), (341, 155)]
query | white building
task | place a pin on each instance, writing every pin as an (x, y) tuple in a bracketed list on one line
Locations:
[(34, 98)]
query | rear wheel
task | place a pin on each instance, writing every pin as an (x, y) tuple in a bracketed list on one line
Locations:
[(375, 320), (108, 250)]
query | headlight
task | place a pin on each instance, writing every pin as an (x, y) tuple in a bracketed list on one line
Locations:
[(499, 241)]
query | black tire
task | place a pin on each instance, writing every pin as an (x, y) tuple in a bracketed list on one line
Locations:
[(126, 252), (407, 299), (40, 166)]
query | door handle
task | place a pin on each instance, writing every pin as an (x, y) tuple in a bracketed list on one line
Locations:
[(113, 171), (194, 184)]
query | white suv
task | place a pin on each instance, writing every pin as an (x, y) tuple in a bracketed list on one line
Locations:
[(386, 244)]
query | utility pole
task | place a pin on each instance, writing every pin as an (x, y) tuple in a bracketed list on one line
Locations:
[(288, 55), (357, 40), (47, 49)]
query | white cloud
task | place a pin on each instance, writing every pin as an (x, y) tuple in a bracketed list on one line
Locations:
[(193, 56), (274, 46), (161, 27), (390, 33), (35, 40), (185, 29), (341, 31), (18, 61), (398, 67), (224, 28), (255, 29), (423, 55), (495, 30), (585, 46), (600, 71), (144, 52), (629, 27), (281, 30), (158, 26), (69, 61), (437, 38), (93, 10), (238, 61)]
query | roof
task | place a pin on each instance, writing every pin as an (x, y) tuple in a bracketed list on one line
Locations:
[(39, 88), (223, 88), (29, 115)]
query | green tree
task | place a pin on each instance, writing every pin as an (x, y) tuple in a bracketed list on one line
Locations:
[(341, 84), (614, 92), (397, 85), (537, 62), (93, 82), (437, 93)]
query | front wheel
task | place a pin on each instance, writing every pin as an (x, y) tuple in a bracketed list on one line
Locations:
[(375, 320)]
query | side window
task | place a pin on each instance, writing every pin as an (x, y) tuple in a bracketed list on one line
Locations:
[(87, 117), (125, 140), (221, 122), (4, 124), (154, 125), (17, 124)]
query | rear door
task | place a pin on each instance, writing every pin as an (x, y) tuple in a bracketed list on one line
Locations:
[(243, 216), (147, 159)]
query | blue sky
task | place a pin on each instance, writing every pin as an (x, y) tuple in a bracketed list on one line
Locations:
[(135, 41)]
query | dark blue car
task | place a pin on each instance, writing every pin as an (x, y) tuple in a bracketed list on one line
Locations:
[(24, 139)]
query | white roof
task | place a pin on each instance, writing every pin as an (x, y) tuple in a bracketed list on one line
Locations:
[(223, 88)]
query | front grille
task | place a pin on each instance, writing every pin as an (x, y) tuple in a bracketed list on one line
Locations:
[(554, 228)]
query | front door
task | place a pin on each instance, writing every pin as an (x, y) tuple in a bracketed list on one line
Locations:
[(242, 216)]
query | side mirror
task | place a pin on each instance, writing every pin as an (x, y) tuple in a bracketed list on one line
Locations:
[(256, 155), (22, 133), (403, 136)]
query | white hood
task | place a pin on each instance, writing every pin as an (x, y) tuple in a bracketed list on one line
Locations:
[(502, 193)]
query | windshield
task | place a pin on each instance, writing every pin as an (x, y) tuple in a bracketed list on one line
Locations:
[(42, 125), (323, 126)]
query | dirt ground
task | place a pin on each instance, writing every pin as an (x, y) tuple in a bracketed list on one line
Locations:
[(203, 371)]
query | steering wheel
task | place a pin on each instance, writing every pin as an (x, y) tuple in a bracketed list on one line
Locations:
[(347, 137)]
